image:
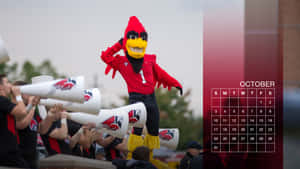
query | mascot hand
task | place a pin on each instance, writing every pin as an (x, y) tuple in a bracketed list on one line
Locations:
[(107, 70), (121, 41), (180, 90)]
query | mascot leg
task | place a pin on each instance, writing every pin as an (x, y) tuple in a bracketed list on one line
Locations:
[(134, 141), (151, 139), (152, 142)]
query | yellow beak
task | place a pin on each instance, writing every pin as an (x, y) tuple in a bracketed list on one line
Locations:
[(136, 48)]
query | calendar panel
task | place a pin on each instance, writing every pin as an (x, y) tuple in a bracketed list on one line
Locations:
[(243, 120)]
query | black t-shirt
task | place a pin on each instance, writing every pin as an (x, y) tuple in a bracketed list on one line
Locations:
[(111, 152), (90, 152), (28, 136), (8, 133), (73, 127), (76, 151), (55, 146)]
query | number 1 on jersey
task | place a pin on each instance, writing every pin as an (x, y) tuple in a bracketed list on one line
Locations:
[(143, 78)]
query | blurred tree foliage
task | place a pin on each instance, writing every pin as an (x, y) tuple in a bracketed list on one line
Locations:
[(175, 113), (29, 70)]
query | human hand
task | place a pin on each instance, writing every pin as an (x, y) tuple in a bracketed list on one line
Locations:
[(36, 100), (55, 111), (15, 91), (30, 100)]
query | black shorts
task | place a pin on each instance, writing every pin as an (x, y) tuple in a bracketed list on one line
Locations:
[(152, 123)]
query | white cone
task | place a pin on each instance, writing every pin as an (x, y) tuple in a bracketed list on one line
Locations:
[(169, 137), (137, 114), (69, 89), (38, 79), (83, 118), (3, 53), (108, 121), (92, 103)]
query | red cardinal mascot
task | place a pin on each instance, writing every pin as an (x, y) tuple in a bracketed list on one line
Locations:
[(141, 73)]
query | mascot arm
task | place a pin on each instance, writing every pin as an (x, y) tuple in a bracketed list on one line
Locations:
[(162, 77), (107, 70), (108, 57)]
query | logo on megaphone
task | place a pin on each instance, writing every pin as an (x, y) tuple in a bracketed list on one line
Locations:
[(65, 84), (137, 114), (88, 95), (91, 104), (69, 89), (134, 116), (113, 123), (169, 137), (166, 135)]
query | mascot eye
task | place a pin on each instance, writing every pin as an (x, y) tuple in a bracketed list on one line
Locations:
[(132, 35), (144, 36)]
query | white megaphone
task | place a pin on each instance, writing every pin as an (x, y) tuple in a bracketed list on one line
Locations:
[(69, 89), (137, 114), (92, 103), (169, 137), (38, 79), (108, 121), (3, 52)]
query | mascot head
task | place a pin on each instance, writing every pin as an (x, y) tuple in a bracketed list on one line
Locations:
[(135, 39)]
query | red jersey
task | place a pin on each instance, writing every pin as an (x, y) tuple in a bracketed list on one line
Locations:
[(143, 82)]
